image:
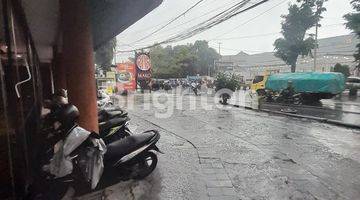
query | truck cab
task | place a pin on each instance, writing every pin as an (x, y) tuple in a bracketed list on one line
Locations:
[(258, 84)]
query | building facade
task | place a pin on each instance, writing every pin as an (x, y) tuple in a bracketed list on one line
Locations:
[(339, 49)]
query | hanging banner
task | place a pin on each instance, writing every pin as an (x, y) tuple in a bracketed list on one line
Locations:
[(126, 76), (143, 66)]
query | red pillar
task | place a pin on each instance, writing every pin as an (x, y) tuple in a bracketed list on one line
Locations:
[(78, 59)]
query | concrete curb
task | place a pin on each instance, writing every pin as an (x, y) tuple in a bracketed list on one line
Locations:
[(312, 107), (319, 119)]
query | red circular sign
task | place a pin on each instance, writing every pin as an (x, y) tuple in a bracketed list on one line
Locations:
[(143, 62)]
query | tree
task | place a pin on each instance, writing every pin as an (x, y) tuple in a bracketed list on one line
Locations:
[(344, 69), (205, 56), (182, 60), (163, 63), (227, 81), (353, 23), (105, 54), (186, 58), (302, 16)]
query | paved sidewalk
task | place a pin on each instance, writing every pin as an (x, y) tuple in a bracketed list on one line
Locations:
[(178, 174), (218, 183)]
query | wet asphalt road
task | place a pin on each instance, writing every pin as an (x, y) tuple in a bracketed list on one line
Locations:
[(233, 153)]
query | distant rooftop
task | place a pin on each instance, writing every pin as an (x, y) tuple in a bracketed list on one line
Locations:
[(344, 45)]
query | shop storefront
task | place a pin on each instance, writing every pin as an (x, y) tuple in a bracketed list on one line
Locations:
[(21, 94), (44, 46)]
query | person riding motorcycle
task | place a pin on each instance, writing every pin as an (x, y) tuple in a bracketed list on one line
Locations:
[(288, 92), (194, 87)]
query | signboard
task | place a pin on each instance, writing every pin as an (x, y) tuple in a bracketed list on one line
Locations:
[(143, 62), (143, 65), (126, 76)]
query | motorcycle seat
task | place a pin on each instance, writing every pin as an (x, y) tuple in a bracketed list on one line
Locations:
[(110, 114), (118, 113), (120, 148), (103, 126)]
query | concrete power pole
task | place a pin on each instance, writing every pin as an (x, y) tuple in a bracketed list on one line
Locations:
[(214, 66), (316, 45), (219, 48), (316, 38)]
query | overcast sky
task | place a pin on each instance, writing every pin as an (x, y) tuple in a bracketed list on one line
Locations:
[(256, 29)]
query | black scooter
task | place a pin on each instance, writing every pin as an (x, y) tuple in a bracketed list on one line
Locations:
[(132, 157), (113, 124)]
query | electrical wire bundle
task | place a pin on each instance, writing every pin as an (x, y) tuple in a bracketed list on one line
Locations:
[(221, 17)]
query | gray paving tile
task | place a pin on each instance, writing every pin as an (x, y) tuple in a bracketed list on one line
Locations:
[(212, 183), (227, 191), (212, 177), (206, 166), (208, 171), (222, 176), (224, 198), (214, 191), (225, 183), (217, 165)]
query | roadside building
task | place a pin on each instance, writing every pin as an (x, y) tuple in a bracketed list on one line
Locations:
[(339, 49)]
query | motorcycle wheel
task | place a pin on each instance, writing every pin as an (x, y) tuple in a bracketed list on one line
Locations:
[(147, 163)]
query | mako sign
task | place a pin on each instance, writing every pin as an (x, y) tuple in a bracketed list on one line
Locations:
[(143, 65)]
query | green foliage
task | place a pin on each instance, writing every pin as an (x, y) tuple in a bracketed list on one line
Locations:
[(344, 69), (182, 60), (227, 81), (302, 16), (205, 55), (353, 23), (105, 54)]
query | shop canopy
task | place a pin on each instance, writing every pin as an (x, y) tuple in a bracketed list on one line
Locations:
[(108, 18)]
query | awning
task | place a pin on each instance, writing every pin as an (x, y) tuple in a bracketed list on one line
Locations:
[(111, 17), (108, 19)]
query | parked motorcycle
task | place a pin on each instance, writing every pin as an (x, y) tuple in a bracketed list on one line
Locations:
[(113, 121), (104, 99), (80, 159), (113, 124)]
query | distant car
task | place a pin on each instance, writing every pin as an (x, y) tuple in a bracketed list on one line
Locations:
[(353, 82)]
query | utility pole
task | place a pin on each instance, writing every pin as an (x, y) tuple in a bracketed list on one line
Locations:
[(316, 36), (114, 57), (219, 48), (316, 45)]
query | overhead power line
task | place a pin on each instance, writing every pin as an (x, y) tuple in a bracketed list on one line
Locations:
[(188, 21), (213, 21), (139, 31), (266, 34), (251, 19), (171, 21), (250, 36)]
